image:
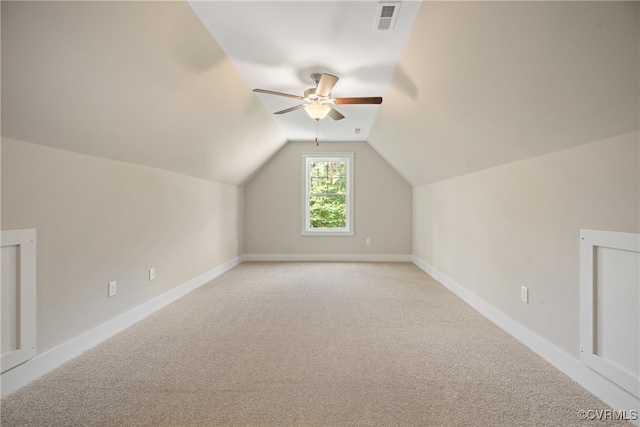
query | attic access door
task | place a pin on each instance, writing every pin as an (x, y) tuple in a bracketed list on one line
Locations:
[(610, 306), (17, 297)]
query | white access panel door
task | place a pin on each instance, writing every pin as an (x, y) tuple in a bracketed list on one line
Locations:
[(17, 297), (610, 306)]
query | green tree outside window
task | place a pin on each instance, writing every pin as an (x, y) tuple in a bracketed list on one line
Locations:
[(327, 199)]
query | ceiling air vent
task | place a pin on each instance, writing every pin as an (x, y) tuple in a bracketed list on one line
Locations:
[(386, 16)]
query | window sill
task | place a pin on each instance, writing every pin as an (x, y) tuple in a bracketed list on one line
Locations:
[(327, 232)]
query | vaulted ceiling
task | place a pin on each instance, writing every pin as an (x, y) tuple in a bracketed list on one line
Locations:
[(466, 85), (279, 45)]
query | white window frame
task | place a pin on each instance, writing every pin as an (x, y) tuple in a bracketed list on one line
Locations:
[(307, 159)]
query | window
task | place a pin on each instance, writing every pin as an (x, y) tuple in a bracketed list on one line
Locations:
[(328, 194)]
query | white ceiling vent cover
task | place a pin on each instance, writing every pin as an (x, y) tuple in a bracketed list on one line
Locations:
[(386, 16)]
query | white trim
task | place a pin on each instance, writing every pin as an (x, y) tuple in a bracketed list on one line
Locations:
[(328, 257), (596, 384), (589, 240), (25, 240), (348, 159), (33, 369)]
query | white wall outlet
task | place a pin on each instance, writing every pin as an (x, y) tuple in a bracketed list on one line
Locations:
[(524, 294), (367, 241), (152, 273), (112, 288)]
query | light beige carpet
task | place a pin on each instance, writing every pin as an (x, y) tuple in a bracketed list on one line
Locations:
[(308, 344)]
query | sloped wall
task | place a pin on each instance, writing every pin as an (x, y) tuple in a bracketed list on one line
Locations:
[(273, 201), (518, 225), (100, 220)]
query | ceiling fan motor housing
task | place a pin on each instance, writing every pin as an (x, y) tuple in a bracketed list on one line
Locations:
[(311, 94)]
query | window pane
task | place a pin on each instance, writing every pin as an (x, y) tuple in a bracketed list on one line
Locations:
[(328, 178), (328, 186), (327, 212)]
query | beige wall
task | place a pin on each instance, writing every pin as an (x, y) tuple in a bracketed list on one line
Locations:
[(274, 206), (491, 231), (99, 220), (518, 225)]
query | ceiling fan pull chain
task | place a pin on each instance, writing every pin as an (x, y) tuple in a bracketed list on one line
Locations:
[(317, 143)]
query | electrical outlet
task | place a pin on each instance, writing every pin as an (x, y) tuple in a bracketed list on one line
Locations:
[(524, 294), (152, 273), (112, 289), (367, 241)]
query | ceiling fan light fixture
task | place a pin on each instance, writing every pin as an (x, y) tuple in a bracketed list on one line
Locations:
[(317, 111)]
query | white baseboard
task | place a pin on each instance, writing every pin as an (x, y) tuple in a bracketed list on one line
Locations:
[(329, 257), (41, 364), (599, 386)]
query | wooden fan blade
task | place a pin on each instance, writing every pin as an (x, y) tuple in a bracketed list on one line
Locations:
[(369, 100), (288, 110), (326, 83), (335, 114), (270, 92)]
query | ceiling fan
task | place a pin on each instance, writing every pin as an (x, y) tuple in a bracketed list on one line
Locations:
[(319, 99)]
